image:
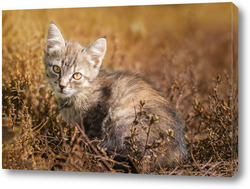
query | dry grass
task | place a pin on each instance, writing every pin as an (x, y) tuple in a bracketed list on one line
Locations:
[(188, 51)]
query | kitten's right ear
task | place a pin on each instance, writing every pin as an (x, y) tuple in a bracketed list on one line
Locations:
[(55, 41), (96, 51)]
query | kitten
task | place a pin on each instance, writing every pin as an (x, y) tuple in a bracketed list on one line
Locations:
[(107, 103)]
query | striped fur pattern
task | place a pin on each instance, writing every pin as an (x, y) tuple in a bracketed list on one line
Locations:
[(106, 103)]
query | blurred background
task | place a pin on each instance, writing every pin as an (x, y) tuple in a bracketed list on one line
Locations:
[(156, 41)]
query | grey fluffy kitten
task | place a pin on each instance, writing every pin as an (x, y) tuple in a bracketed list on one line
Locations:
[(105, 103)]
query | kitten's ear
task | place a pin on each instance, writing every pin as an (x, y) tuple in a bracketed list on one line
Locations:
[(96, 51), (55, 41)]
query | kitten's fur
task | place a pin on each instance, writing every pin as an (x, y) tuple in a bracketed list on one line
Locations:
[(106, 103)]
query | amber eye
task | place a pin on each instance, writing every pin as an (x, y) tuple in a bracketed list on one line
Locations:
[(77, 76), (56, 69)]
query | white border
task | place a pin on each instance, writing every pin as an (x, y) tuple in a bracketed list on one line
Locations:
[(42, 179), (28, 4)]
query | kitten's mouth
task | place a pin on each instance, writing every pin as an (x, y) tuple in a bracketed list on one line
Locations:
[(63, 94)]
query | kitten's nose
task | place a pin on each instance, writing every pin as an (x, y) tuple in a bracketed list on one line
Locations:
[(62, 86)]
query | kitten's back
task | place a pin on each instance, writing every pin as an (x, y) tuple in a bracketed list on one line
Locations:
[(123, 93)]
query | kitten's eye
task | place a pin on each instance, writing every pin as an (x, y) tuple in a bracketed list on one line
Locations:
[(77, 76), (56, 69)]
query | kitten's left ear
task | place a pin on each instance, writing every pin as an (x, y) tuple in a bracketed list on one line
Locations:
[(96, 51), (55, 41)]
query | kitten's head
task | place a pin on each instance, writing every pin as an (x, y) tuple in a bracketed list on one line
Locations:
[(69, 66)]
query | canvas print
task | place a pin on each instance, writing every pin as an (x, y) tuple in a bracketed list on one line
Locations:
[(130, 89)]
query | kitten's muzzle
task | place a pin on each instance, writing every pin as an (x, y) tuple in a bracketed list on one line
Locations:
[(62, 87), (62, 84)]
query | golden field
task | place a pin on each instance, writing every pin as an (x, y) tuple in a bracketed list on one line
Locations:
[(189, 52)]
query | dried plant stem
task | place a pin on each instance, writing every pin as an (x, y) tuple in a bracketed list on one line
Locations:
[(107, 165)]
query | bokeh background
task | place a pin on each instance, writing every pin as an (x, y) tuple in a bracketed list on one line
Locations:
[(189, 52)]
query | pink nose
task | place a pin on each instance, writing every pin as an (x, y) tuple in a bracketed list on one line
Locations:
[(62, 86)]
